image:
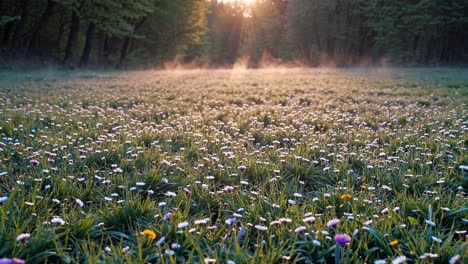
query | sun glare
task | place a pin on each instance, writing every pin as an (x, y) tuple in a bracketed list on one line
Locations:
[(239, 1)]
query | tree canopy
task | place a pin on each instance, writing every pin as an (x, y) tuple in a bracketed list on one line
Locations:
[(219, 33)]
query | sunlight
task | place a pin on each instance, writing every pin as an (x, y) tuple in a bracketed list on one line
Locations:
[(239, 1)]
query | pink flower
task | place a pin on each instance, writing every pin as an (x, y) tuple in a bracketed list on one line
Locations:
[(333, 223), (18, 261), (34, 162)]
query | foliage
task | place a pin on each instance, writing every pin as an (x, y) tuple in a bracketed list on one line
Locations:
[(228, 32)]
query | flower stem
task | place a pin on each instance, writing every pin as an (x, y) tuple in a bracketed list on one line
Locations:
[(337, 253)]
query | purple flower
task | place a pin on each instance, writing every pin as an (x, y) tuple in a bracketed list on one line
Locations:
[(6, 261), (333, 223), (168, 216), (34, 162), (242, 168), (231, 221), (12, 261), (187, 191), (342, 239)]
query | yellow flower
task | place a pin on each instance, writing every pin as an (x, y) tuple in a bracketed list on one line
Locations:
[(394, 243), (149, 233), (345, 196), (363, 186)]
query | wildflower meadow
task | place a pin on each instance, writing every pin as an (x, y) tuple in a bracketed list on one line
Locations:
[(234, 166)]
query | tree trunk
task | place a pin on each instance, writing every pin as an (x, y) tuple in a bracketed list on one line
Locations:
[(100, 49), (37, 28), (88, 45), (123, 51), (330, 35), (60, 34), (7, 33), (126, 43), (316, 33), (72, 38), (106, 50), (19, 27)]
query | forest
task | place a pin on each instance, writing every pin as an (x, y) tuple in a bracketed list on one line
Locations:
[(234, 131), (217, 33)]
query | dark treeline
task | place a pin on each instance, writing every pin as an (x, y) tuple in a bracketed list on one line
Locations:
[(215, 33)]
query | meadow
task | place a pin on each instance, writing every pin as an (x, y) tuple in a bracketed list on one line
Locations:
[(234, 166)]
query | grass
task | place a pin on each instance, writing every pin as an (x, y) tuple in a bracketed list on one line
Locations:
[(382, 150)]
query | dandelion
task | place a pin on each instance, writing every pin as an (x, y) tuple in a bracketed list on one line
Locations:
[(149, 234), (345, 196), (394, 243)]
